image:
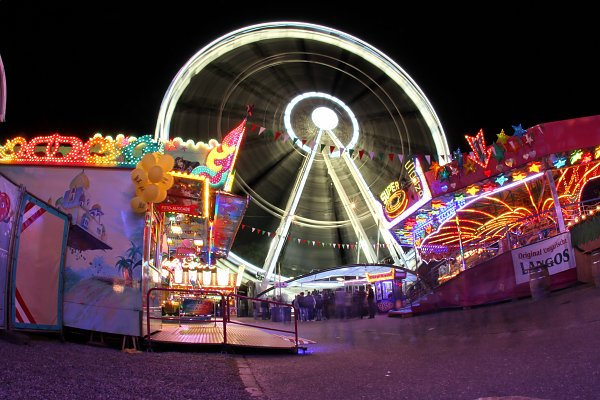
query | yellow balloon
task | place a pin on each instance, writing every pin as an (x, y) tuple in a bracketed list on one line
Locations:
[(139, 205), (155, 174), (139, 176), (166, 181), (139, 191), (149, 161), (166, 161), (150, 192), (161, 196)]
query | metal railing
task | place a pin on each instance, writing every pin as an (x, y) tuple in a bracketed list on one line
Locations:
[(225, 314)]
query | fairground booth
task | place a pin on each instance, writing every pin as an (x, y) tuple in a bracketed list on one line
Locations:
[(485, 221), (89, 227)]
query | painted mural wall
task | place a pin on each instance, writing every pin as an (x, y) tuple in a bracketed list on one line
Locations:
[(103, 268)]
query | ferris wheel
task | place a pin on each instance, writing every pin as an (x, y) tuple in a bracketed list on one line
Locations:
[(332, 119)]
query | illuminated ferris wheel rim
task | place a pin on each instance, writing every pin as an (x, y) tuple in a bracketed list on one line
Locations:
[(298, 30)]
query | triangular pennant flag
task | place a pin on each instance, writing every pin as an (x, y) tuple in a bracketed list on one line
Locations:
[(322, 147), (443, 157), (361, 153), (380, 155), (253, 229), (391, 156), (269, 234), (338, 245), (261, 130), (313, 243), (312, 144), (285, 138), (400, 157), (269, 133), (253, 128), (341, 150), (350, 151), (371, 154), (299, 240), (428, 158), (277, 134), (243, 226), (258, 230), (303, 142), (295, 140), (331, 149)]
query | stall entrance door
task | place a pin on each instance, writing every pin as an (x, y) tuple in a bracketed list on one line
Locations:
[(36, 296), (10, 198)]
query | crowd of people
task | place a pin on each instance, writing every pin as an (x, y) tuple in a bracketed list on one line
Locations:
[(341, 303)]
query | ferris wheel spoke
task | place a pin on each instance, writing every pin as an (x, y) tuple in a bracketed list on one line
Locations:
[(285, 223)]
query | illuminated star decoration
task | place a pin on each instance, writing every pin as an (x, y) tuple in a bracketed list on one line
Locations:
[(586, 158), (517, 176), (444, 174), (501, 180), (535, 166), (560, 162), (597, 152), (469, 166), (498, 152), (458, 197), (575, 156), (502, 137), (488, 187), (528, 138), (459, 157), (435, 168), (481, 153), (170, 145), (519, 131), (472, 190)]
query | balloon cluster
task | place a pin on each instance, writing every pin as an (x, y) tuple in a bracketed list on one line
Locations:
[(152, 180)]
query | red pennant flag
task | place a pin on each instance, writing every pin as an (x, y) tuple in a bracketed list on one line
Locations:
[(391, 156), (331, 149), (277, 134), (258, 230), (253, 128), (243, 226), (303, 142), (361, 153)]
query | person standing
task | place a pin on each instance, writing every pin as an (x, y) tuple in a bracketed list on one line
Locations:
[(371, 302)]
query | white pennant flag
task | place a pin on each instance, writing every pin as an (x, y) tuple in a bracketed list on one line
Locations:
[(261, 130)]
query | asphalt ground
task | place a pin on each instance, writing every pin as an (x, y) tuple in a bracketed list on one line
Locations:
[(545, 349), (524, 349)]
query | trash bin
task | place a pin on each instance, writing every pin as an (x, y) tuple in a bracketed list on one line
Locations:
[(281, 314), (287, 314), (539, 282), (277, 314)]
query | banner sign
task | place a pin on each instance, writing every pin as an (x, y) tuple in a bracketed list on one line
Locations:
[(556, 253)]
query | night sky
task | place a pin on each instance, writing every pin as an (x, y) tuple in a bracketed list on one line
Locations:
[(80, 69)]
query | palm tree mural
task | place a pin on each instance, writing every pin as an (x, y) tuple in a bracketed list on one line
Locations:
[(127, 264)]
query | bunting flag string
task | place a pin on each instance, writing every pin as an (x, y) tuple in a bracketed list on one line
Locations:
[(313, 243), (279, 135)]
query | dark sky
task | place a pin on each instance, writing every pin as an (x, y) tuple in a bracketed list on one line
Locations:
[(78, 68)]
